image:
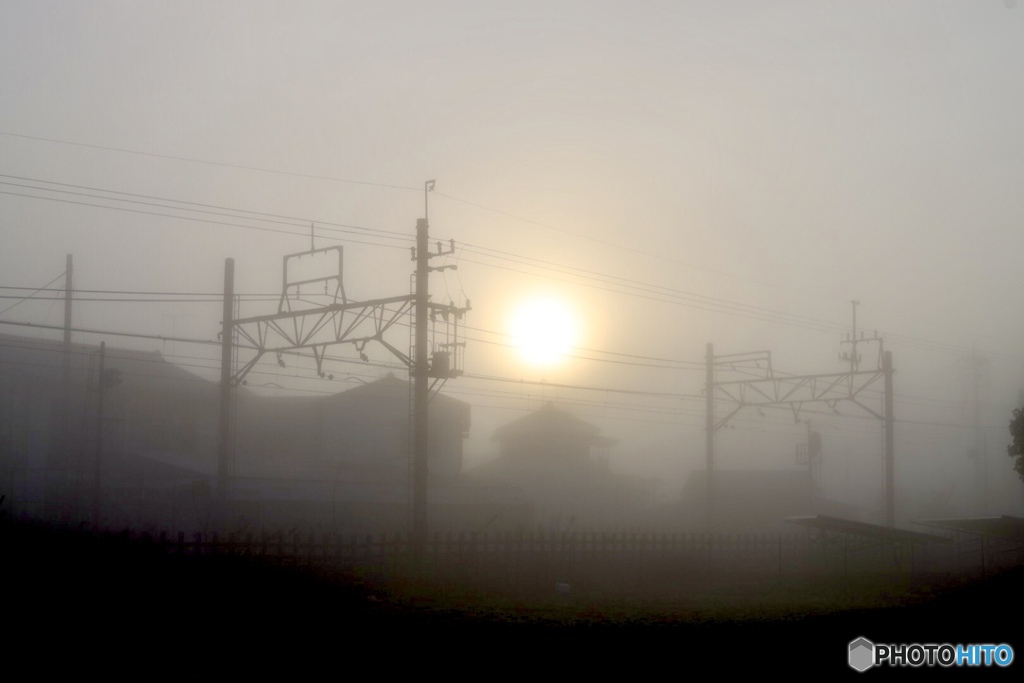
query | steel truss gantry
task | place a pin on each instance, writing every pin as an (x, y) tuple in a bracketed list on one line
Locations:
[(301, 323), (357, 323), (794, 391), (773, 389)]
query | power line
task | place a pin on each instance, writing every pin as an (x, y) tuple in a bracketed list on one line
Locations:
[(23, 299), (212, 342), (134, 335), (161, 358), (141, 293), (372, 184), (764, 317), (637, 284), (660, 257), (206, 162), (200, 380), (193, 218), (678, 297), (558, 385), (128, 301), (225, 211), (644, 290)]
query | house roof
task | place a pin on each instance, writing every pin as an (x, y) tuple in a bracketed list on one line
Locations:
[(1004, 525), (389, 388), (42, 359), (865, 530), (549, 421)]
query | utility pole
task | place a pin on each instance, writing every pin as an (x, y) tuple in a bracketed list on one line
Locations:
[(889, 423), (97, 469), (226, 350), (65, 404), (62, 459), (67, 335), (421, 378), (979, 372), (710, 434), (420, 394), (854, 361), (357, 323)]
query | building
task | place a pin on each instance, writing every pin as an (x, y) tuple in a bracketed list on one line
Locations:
[(54, 439), (334, 463), (560, 464), (750, 502)]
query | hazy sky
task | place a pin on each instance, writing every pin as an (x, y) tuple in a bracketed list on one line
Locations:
[(747, 168)]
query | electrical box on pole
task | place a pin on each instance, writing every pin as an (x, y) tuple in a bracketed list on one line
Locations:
[(435, 355)]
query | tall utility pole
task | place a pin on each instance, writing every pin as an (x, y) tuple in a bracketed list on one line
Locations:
[(69, 267), (420, 393), (421, 373), (98, 464), (65, 404), (979, 385), (890, 461), (60, 466), (709, 427), (854, 360), (350, 322), (226, 350)]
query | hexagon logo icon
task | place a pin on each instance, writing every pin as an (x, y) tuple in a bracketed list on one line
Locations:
[(862, 654)]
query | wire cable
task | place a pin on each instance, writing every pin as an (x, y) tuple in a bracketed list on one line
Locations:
[(23, 299)]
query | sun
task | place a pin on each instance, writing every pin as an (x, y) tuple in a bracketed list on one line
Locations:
[(544, 329)]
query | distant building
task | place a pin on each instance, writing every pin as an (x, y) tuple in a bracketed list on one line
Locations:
[(366, 428), (49, 436), (330, 463), (550, 456), (750, 501)]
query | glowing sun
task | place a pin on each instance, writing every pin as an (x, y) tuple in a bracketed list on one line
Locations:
[(544, 330)]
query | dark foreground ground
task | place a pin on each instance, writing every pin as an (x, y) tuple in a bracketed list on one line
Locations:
[(101, 605)]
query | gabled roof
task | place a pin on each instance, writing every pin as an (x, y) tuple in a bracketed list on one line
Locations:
[(43, 360), (865, 530), (1005, 525), (549, 421), (389, 388)]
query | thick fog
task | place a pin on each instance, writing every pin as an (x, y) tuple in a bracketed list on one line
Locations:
[(669, 175)]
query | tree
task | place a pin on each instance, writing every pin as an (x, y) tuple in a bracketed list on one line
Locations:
[(1016, 449)]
